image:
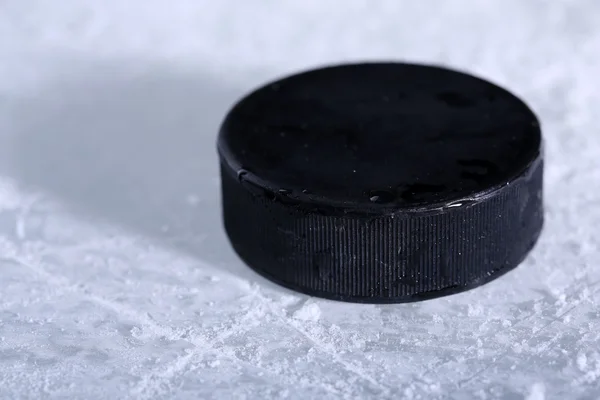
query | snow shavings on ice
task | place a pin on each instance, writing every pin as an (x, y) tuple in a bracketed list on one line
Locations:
[(117, 280)]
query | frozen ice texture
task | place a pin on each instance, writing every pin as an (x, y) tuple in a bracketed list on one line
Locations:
[(108, 118)]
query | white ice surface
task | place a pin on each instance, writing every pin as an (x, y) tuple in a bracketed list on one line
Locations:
[(116, 278)]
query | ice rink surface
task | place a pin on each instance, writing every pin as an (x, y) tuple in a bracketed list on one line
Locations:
[(116, 278)]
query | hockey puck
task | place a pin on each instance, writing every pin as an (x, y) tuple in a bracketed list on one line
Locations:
[(381, 182)]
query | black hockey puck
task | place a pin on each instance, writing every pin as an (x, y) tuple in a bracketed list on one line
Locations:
[(381, 182)]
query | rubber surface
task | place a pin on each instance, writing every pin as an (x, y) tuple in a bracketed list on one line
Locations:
[(381, 182)]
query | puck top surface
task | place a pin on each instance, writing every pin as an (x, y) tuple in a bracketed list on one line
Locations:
[(374, 136)]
